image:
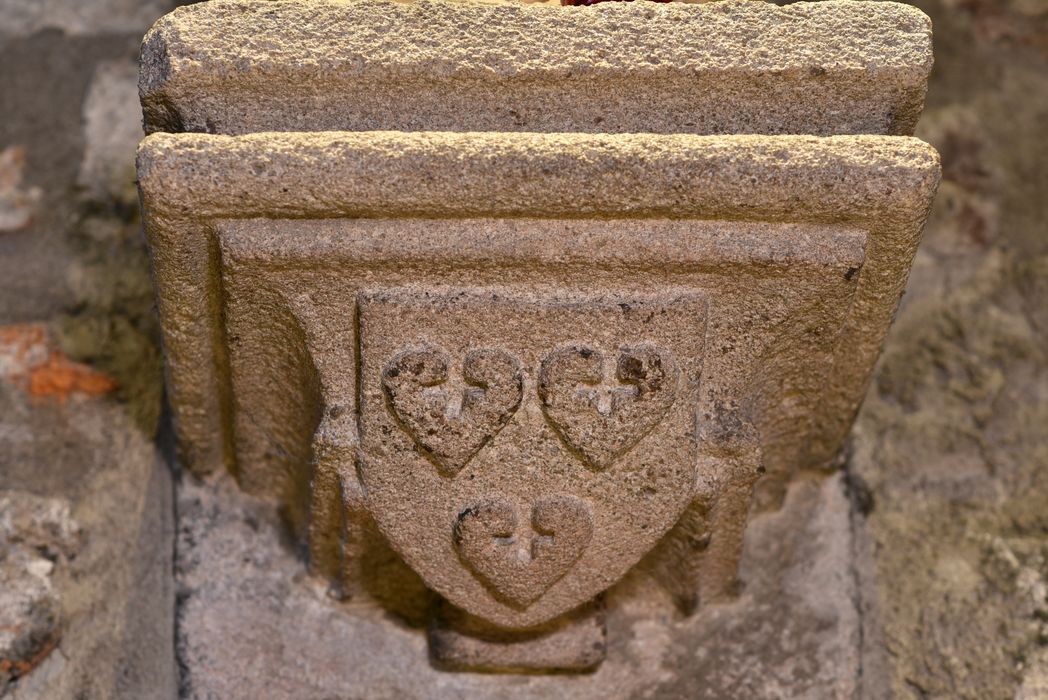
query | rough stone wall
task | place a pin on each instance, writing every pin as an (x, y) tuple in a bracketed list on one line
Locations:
[(74, 255), (80, 373), (947, 471), (950, 452)]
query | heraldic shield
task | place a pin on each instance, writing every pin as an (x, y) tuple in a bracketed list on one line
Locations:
[(523, 452)]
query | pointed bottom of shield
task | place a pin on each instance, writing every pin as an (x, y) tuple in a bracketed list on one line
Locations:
[(573, 643)]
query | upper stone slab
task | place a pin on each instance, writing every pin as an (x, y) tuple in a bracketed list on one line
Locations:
[(739, 66)]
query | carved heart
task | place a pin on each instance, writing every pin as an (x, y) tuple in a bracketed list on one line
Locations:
[(451, 423), (600, 416), (520, 569)]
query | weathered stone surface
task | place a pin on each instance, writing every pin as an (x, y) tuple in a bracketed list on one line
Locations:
[(951, 455), (577, 642), (35, 533), (950, 447), (252, 623), (520, 388), (731, 67), (437, 346), (987, 90), (1035, 678), (875, 184), (551, 531), (452, 438), (29, 612), (41, 524), (114, 599)]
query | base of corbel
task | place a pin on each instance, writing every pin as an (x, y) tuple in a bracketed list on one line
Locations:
[(573, 643)]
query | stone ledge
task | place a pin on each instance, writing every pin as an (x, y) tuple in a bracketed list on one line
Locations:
[(379, 174), (733, 67)]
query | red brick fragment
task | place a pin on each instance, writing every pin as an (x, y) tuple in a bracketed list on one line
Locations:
[(30, 358)]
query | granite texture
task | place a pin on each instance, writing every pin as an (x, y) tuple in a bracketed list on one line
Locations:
[(882, 185), (985, 114), (520, 388), (729, 67)]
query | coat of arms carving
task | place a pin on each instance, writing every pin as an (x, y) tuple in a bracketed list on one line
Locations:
[(522, 336), (521, 453)]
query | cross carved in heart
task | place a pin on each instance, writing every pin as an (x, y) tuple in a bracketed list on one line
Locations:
[(522, 568), (450, 423), (602, 409)]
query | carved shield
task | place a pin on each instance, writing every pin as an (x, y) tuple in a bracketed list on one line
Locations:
[(522, 453)]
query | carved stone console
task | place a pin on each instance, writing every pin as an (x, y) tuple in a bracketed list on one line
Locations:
[(512, 367)]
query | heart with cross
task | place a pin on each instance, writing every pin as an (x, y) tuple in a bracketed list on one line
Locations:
[(602, 406), (452, 423), (521, 565)]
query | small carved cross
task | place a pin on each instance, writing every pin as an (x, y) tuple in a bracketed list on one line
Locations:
[(608, 392)]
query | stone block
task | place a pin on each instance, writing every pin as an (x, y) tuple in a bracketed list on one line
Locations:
[(112, 129), (413, 201), (35, 532), (458, 641), (85, 547), (836, 67), (439, 340)]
